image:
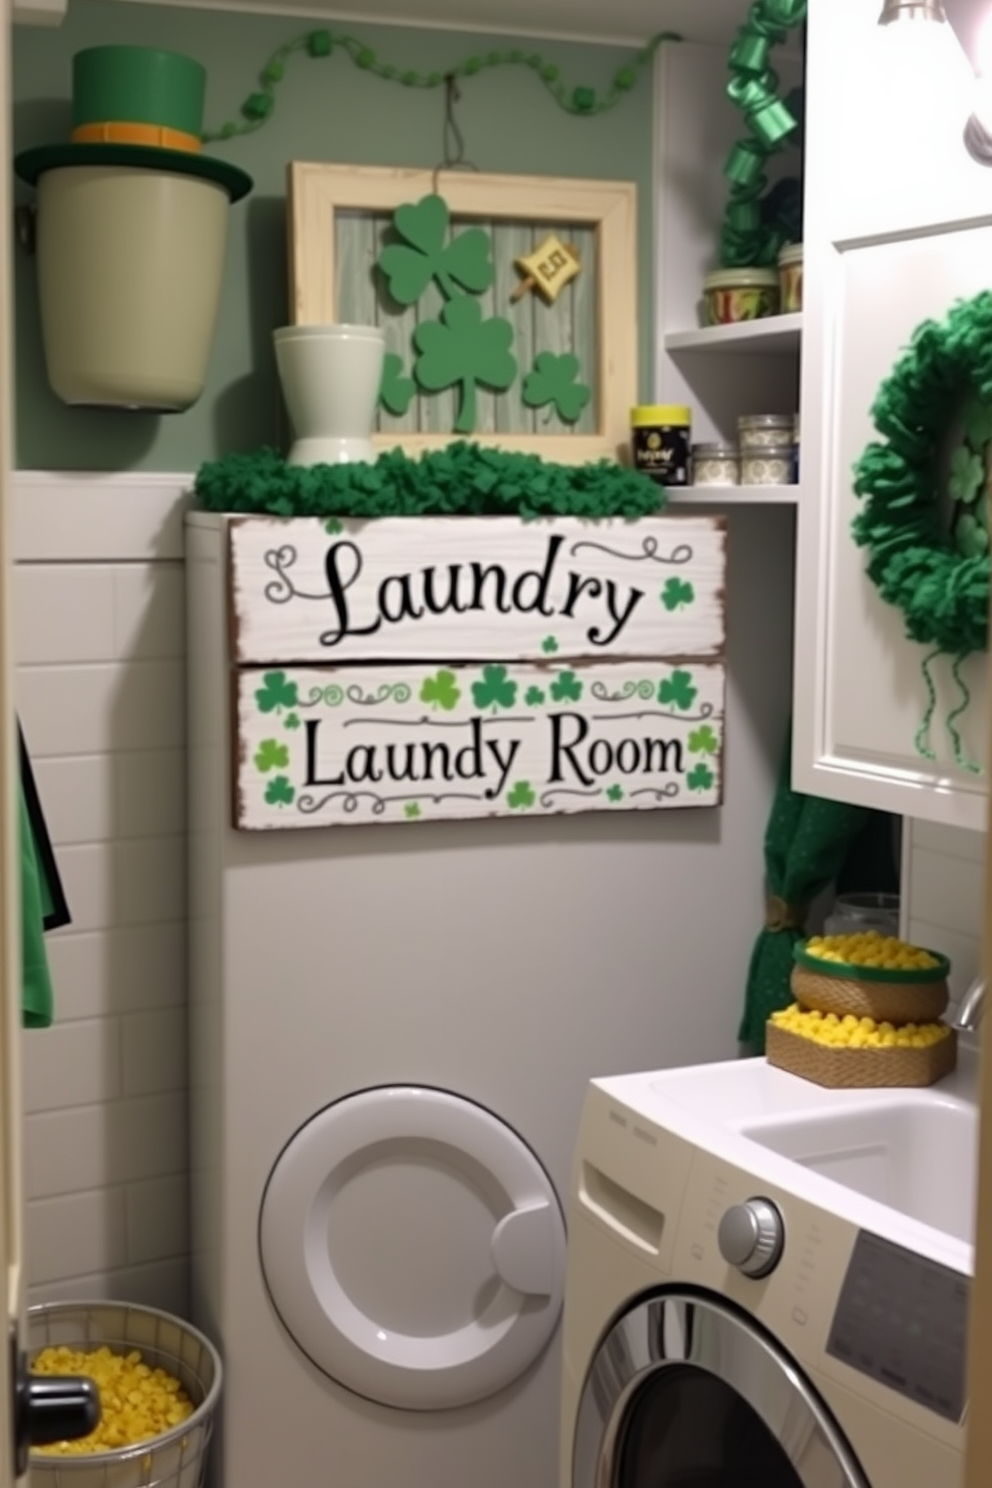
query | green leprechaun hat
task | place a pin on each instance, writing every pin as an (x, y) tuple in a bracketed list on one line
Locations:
[(136, 106)]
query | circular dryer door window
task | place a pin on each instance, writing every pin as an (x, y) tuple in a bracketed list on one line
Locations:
[(413, 1247)]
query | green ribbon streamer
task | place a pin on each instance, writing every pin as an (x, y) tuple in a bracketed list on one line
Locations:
[(961, 758), (922, 740), (754, 237)]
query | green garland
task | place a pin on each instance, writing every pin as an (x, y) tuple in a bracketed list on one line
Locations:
[(940, 582), (259, 105), (757, 225), (462, 479)]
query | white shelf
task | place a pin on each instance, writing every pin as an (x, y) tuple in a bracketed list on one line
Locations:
[(776, 335), (734, 496)]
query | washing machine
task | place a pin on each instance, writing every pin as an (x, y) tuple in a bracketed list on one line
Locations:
[(737, 1318), (391, 1031)]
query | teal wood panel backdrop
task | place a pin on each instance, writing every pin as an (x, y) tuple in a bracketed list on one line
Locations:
[(568, 325), (327, 110)]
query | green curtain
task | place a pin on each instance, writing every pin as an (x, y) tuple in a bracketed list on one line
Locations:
[(809, 842), (36, 905)]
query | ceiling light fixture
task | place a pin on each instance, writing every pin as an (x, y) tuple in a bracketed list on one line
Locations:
[(911, 10)]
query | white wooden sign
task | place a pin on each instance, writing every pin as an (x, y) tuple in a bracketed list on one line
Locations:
[(475, 589), (324, 747)]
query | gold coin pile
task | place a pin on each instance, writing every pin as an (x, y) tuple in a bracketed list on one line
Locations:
[(136, 1401), (869, 948), (858, 1033)]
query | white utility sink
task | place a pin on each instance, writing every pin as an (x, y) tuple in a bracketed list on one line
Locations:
[(916, 1156)]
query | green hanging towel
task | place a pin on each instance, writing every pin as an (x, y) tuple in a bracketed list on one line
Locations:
[(43, 905), (807, 841)]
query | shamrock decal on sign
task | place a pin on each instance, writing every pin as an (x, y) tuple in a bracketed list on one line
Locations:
[(549, 645), (278, 693), (291, 721), (700, 778), (534, 698), (441, 691), (333, 526), (411, 810), (279, 792), (678, 690), (495, 690), (553, 384), (464, 263), (463, 349), (566, 688), (396, 391), (703, 741), (615, 793), (271, 756), (521, 796), (676, 594)]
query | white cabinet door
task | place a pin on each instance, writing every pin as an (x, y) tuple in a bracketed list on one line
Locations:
[(898, 227)]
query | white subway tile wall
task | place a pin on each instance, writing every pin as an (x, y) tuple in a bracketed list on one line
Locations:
[(100, 644), (943, 870)]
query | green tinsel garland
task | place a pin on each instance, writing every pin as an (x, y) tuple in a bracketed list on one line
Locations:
[(462, 479), (942, 593)]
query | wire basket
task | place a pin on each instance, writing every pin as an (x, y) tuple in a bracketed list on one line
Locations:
[(175, 1459)]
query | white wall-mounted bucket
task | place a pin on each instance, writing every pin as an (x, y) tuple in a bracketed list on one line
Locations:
[(331, 376), (129, 273)]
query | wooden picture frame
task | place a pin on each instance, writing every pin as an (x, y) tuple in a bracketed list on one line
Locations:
[(328, 205)]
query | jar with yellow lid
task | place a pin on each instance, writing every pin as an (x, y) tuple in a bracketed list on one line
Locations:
[(661, 436)]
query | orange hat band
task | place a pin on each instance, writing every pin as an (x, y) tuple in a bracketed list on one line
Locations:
[(158, 136)]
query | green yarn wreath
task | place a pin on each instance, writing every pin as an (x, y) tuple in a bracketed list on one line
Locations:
[(462, 479), (942, 591)]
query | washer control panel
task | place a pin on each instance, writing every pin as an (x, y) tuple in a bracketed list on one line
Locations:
[(903, 1320)]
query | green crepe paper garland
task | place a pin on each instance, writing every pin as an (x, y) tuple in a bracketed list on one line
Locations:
[(461, 480), (942, 592), (758, 225), (258, 106)]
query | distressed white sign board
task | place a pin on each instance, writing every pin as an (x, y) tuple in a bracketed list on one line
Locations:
[(475, 588), (475, 667), (407, 743)]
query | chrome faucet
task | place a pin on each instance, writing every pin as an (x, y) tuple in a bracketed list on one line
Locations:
[(971, 1006)]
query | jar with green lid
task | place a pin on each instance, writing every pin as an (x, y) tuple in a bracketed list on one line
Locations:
[(733, 295), (660, 435)]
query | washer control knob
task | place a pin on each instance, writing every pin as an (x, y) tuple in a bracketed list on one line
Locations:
[(751, 1237)]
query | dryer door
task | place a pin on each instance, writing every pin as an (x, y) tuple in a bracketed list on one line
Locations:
[(685, 1392), (413, 1247)]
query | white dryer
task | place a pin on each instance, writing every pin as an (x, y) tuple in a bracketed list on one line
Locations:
[(391, 1034), (733, 1318)]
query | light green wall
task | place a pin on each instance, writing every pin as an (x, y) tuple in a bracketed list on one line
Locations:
[(325, 110)]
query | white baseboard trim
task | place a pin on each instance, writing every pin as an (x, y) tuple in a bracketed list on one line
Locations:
[(89, 517)]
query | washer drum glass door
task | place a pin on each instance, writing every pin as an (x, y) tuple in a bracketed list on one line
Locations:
[(413, 1247), (685, 1392)]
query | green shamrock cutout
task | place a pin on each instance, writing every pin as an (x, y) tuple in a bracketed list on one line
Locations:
[(703, 741), (461, 348), (566, 688), (970, 537), (411, 810), (678, 690), (441, 691), (333, 526), (534, 698), (553, 381), (465, 262), (700, 778), (397, 391), (291, 721), (676, 594), (966, 475), (615, 793), (978, 424), (549, 645), (279, 792), (277, 693), (495, 690), (521, 796), (271, 756)]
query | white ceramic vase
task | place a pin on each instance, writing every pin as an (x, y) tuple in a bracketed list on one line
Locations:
[(331, 376)]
